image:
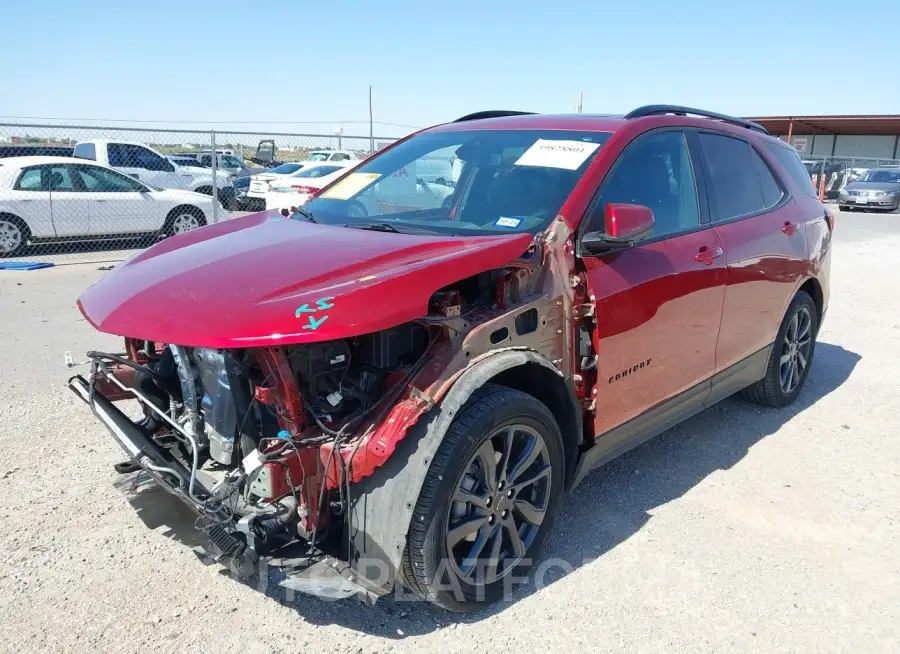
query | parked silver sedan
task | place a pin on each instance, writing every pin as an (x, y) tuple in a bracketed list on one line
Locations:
[(877, 188)]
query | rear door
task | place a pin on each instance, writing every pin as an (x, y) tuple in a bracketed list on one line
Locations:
[(765, 252), (659, 303), (118, 204), (30, 200)]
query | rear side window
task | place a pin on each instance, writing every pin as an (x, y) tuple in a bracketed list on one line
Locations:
[(771, 189), (30, 180), (86, 151), (789, 158), (736, 189)]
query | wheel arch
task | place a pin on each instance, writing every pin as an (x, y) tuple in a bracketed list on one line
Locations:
[(813, 288), (379, 535)]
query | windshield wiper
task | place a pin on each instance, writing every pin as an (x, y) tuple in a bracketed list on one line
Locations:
[(306, 214), (375, 227), (390, 227)]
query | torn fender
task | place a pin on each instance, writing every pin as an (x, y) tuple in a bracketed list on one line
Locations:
[(378, 535)]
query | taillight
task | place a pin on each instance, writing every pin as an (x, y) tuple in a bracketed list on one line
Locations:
[(309, 190), (829, 218)]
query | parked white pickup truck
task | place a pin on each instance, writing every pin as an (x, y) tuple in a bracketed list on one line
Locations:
[(150, 167)]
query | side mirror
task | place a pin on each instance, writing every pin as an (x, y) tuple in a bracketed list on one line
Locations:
[(623, 226)]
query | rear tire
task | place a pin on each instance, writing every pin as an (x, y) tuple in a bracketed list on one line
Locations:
[(14, 235), (512, 498), (182, 220), (791, 356)]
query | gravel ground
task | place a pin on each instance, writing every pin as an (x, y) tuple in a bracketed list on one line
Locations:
[(743, 528)]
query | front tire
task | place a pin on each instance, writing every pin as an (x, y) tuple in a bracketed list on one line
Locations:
[(791, 357), (488, 501)]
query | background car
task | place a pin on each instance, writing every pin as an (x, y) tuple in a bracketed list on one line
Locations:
[(57, 198), (877, 188), (296, 189), (227, 162), (259, 183), (332, 155)]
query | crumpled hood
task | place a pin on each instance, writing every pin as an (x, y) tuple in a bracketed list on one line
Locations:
[(267, 280)]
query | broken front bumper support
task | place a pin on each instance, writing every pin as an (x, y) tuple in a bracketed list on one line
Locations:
[(326, 577)]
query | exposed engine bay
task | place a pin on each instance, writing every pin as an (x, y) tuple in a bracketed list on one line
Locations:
[(265, 443)]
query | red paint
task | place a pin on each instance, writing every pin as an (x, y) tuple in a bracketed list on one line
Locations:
[(654, 302), (240, 283)]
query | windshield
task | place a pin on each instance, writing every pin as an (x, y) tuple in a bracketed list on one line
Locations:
[(889, 176), (285, 169), (318, 156), (232, 162), (476, 182)]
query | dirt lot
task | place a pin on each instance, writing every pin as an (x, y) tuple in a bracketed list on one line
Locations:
[(744, 528)]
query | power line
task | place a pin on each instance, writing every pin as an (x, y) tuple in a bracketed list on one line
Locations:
[(216, 122)]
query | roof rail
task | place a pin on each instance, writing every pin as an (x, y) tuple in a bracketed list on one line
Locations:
[(662, 109), (496, 113)]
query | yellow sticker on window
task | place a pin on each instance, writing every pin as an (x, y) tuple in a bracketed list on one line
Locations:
[(350, 185)]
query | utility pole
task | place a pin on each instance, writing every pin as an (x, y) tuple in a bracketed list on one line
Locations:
[(581, 102), (371, 133)]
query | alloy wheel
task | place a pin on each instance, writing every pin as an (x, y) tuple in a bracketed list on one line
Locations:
[(10, 236), (498, 504), (795, 350), (185, 222)]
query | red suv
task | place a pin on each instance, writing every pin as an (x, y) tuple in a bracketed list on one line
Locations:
[(396, 383)]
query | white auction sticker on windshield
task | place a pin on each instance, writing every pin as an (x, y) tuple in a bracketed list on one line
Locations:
[(557, 154)]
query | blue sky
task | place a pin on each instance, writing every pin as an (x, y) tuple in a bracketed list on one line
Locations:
[(281, 64)]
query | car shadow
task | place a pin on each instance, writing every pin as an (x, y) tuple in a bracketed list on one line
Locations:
[(610, 506)]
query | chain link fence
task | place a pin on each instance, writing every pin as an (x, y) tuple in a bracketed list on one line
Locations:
[(830, 175), (108, 191)]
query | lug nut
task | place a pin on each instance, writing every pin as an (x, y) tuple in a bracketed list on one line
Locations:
[(509, 493), (489, 502), (504, 514)]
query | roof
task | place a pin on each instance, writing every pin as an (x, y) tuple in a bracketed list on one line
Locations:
[(585, 122), (886, 124), (21, 162)]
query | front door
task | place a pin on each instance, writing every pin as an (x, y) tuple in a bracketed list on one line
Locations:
[(658, 304), (118, 204), (68, 205)]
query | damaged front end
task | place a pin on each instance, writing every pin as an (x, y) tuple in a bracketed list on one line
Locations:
[(268, 445)]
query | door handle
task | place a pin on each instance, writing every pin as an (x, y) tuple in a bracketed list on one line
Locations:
[(789, 228), (706, 255), (27, 200), (99, 200)]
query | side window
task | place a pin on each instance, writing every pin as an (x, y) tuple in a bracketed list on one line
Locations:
[(770, 187), (30, 180), (735, 185), (126, 155), (100, 180), (117, 155), (85, 151), (654, 171), (206, 161), (789, 158), (60, 178)]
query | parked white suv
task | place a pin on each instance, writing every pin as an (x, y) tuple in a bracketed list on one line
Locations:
[(150, 167)]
